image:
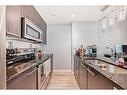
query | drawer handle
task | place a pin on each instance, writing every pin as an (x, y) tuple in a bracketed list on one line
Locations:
[(90, 72), (28, 74), (83, 65)]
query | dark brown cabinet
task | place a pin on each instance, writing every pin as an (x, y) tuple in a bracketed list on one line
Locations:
[(39, 21), (97, 81), (13, 20), (44, 33), (29, 12), (26, 80), (83, 77), (76, 68), (87, 77)]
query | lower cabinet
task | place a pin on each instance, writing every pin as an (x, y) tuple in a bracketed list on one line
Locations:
[(97, 81), (88, 78), (76, 69), (83, 77)]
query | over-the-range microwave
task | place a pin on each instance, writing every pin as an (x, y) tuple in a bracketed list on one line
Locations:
[(30, 31)]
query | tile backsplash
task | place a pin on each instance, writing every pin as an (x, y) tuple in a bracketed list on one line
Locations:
[(21, 44)]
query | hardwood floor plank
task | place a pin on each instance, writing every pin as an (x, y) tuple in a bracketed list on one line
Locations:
[(63, 81)]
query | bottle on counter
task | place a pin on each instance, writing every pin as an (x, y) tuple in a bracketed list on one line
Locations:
[(82, 51), (39, 54)]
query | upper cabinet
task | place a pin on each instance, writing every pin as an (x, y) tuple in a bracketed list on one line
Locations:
[(13, 21), (29, 12)]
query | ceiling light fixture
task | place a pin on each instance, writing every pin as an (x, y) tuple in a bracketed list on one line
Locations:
[(73, 15)]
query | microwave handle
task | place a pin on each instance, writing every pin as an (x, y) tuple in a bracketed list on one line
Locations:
[(41, 35)]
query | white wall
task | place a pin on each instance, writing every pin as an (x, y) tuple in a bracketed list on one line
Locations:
[(59, 43), (83, 33), (111, 36)]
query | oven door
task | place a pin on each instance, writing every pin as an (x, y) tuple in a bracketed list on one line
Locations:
[(31, 31), (41, 75)]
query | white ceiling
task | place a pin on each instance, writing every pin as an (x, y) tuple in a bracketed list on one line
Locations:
[(63, 14)]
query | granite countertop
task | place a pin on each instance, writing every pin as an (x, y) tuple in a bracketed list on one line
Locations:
[(112, 72), (107, 60), (43, 59), (109, 69)]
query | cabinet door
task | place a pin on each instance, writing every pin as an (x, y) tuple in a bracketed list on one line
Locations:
[(83, 77), (48, 67), (42, 25), (38, 20), (77, 68), (29, 12), (44, 33), (98, 81), (13, 20), (27, 80)]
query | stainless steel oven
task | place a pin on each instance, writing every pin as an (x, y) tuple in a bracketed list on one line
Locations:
[(31, 31)]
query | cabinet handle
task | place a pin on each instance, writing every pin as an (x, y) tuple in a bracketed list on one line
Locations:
[(83, 65), (90, 72), (28, 74)]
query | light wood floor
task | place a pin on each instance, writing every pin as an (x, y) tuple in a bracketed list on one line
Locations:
[(63, 81)]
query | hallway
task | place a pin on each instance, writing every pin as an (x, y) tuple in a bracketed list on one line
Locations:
[(63, 81)]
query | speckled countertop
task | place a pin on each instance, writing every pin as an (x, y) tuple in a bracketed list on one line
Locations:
[(109, 69), (43, 59)]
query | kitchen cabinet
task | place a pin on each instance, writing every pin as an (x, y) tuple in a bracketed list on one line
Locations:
[(26, 80), (29, 12), (13, 20), (83, 77), (87, 77), (39, 21), (97, 81), (44, 33), (76, 68)]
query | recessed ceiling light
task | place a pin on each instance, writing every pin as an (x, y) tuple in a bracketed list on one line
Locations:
[(73, 15)]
